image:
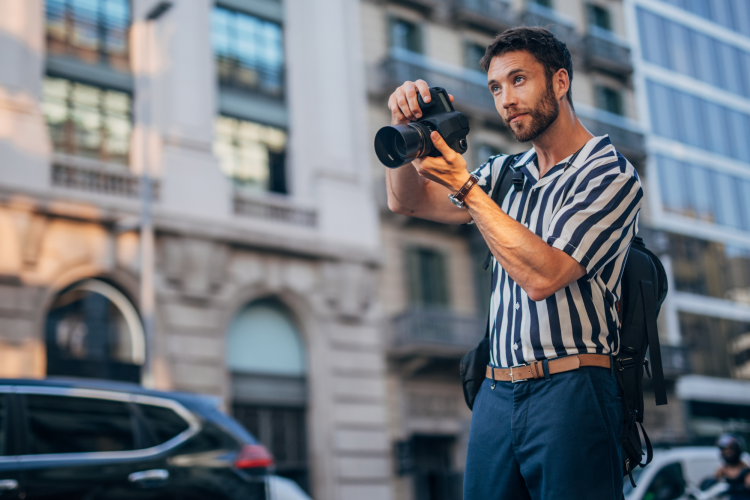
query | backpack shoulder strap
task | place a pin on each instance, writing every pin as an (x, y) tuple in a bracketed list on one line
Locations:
[(649, 312), (501, 188)]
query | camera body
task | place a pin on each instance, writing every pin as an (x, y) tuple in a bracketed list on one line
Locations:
[(398, 145)]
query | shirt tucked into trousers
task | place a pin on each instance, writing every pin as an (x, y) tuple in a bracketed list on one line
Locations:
[(557, 438)]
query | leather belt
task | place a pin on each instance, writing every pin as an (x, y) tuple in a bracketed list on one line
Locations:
[(535, 370)]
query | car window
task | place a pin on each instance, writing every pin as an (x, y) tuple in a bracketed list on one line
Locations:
[(3, 422), (164, 423), (668, 484), (61, 424)]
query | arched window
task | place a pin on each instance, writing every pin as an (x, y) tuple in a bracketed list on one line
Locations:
[(267, 360), (93, 330)]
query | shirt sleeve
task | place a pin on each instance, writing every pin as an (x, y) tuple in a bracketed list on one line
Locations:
[(599, 217), (485, 173)]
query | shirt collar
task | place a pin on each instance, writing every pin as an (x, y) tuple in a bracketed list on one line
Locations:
[(528, 162)]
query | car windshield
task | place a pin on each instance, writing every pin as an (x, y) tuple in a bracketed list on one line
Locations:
[(627, 487)]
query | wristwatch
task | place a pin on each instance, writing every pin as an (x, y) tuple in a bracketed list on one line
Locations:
[(458, 198)]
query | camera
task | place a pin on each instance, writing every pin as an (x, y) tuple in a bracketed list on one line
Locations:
[(397, 145)]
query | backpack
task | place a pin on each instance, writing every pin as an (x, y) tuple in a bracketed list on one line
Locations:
[(644, 288)]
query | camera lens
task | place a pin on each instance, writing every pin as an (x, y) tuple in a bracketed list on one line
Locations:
[(398, 145)]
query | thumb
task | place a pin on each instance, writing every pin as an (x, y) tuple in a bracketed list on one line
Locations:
[(441, 145)]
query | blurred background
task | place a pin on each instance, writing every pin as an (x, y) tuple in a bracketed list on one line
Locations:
[(190, 200)]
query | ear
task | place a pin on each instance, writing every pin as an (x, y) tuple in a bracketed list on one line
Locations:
[(561, 83)]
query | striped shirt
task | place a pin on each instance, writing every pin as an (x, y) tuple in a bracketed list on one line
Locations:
[(588, 209)]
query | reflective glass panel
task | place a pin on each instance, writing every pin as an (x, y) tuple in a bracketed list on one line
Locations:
[(251, 154), (673, 187), (88, 121), (700, 192), (249, 52), (59, 424), (95, 31), (162, 422), (728, 213)]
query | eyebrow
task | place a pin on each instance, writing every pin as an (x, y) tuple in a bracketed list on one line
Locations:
[(511, 73)]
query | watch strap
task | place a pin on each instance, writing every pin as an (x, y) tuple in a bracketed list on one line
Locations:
[(461, 194)]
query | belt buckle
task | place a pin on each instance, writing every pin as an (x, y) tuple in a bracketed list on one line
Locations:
[(511, 373)]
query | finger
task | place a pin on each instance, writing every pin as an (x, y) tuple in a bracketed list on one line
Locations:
[(410, 90), (396, 115), (403, 104), (450, 97), (442, 146), (424, 90)]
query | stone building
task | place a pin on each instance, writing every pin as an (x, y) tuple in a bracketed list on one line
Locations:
[(266, 229), (433, 290)]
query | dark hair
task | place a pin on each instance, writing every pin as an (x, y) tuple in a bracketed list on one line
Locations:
[(539, 42)]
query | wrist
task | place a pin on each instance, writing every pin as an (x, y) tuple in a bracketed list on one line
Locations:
[(459, 182)]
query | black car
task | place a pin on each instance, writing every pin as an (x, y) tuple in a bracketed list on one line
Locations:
[(78, 439)]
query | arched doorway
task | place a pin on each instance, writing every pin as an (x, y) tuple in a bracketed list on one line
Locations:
[(93, 330), (266, 358)]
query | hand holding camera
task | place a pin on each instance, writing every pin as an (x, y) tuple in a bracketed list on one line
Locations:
[(413, 119)]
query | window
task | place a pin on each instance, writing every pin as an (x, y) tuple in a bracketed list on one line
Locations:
[(88, 121), (609, 100), (668, 484), (474, 53), (251, 155), (95, 31), (282, 431), (249, 52), (717, 346), (60, 424), (428, 285), (690, 52), (598, 16), (163, 423), (543, 3), (732, 14), (406, 35), (709, 268), (698, 122)]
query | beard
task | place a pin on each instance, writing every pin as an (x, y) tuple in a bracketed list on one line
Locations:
[(542, 116)]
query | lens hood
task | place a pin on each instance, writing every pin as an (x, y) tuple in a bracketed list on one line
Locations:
[(397, 145)]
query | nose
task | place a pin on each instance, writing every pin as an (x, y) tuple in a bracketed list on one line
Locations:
[(508, 98)]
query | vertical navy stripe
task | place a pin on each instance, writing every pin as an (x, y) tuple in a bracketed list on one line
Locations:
[(517, 322), (554, 326), (575, 322), (584, 286), (536, 341), (508, 354)]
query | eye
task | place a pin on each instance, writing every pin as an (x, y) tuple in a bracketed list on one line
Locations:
[(518, 79), (495, 89)]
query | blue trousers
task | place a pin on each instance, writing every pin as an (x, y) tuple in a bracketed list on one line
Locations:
[(556, 439)]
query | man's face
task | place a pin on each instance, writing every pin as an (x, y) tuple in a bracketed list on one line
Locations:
[(524, 96)]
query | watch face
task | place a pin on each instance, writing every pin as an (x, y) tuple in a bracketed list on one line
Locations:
[(456, 202)]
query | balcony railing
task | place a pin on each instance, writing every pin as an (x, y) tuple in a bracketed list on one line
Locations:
[(468, 87), (273, 208), (494, 15), (561, 26), (625, 134), (436, 328), (604, 51), (99, 181)]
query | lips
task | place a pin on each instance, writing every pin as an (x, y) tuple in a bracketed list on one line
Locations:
[(516, 117)]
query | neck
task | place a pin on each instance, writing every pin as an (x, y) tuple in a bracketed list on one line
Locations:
[(563, 137)]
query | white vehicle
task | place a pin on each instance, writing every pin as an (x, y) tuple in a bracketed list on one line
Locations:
[(674, 474), (281, 488)]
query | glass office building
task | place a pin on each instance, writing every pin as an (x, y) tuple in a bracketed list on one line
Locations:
[(692, 77)]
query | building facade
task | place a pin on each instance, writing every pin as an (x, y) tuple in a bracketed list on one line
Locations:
[(433, 290), (266, 240), (692, 77)]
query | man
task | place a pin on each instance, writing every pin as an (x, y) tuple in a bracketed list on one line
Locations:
[(559, 246), (734, 470)]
